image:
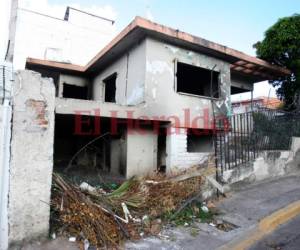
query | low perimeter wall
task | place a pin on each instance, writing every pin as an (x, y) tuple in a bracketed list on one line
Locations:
[(269, 164)]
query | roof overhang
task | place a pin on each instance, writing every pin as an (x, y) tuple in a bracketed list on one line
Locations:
[(258, 71), (241, 63), (32, 63)]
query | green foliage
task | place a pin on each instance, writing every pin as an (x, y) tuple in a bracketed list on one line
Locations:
[(121, 190), (281, 46), (189, 214), (275, 132)]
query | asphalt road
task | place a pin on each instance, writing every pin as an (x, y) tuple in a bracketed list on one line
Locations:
[(286, 237)]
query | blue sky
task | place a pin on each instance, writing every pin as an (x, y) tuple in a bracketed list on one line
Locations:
[(234, 23)]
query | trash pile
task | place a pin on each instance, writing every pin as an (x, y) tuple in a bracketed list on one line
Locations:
[(106, 219)]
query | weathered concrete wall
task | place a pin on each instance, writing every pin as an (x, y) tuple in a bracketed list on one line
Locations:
[(130, 69), (178, 159), (161, 79), (141, 152), (145, 84), (31, 156), (269, 164)]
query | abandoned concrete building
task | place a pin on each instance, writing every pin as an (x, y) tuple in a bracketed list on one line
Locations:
[(148, 101), (144, 96)]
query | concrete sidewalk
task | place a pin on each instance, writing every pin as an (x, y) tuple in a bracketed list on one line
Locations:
[(245, 207)]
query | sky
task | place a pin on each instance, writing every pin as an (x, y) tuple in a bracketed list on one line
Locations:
[(234, 23)]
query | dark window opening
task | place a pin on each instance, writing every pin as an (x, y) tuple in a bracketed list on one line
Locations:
[(76, 92), (110, 88), (197, 81), (236, 90), (199, 140)]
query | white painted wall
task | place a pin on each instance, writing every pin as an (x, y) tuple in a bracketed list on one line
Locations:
[(43, 37), (178, 159)]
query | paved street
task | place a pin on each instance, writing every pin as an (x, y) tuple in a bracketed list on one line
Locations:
[(286, 237)]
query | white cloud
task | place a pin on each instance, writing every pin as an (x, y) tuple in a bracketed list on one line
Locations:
[(58, 10)]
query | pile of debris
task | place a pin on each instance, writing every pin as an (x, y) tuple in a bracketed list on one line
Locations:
[(133, 210)]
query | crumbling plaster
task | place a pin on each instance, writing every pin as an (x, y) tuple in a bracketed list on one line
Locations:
[(31, 156), (161, 95)]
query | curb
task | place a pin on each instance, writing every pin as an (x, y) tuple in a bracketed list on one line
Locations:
[(266, 226)]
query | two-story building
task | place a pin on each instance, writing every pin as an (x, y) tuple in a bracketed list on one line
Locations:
[(148, 100)]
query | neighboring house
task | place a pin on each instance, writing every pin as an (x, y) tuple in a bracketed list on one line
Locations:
[(74, 38), (259, 102), (151, 88)]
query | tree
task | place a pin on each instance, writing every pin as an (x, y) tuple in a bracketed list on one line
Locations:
[(281, 46)]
